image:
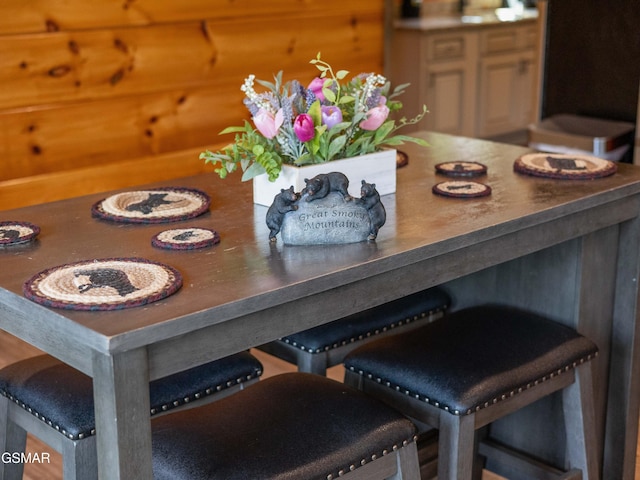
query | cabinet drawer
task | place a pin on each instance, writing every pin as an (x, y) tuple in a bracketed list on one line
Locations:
[(499, 40), (446, 47)]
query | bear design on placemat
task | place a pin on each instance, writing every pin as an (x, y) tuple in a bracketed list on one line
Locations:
[(282, 203), (320, 186), (184, 236), (370, 200), (147, 206), (565, 163), (106, 277), (9, 234)]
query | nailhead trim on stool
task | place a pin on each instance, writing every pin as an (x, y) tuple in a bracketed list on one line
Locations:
[(349, 332), (62, 397), (292, 425)]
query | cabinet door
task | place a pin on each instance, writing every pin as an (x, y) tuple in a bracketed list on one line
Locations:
[(449, 83), (506, 93), (450, 98)]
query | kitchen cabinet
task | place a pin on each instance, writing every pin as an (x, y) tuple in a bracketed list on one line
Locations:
[(476, 80), (448, 83), (507, 80)]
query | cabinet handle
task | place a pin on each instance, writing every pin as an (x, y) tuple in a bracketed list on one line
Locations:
[(523, 67)]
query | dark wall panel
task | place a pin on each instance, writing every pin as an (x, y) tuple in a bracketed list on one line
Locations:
[(592, 64)]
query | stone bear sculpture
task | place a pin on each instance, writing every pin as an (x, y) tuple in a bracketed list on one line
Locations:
[(320, 186), (282, 203), (370, 200)]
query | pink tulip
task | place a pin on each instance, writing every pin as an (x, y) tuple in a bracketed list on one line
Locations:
[(267, 123), (304, 128), (331, 115), (316, 87), (375, 118)]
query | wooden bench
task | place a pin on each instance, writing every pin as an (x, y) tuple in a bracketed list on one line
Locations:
[(108, 94)]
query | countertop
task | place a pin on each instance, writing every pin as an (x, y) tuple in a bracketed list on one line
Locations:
[(458, 21)]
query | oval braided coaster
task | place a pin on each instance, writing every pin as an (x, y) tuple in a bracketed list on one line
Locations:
[(17, 233), (462, 189), (185, 238), (106, 284), (158, 205), (461, 169), (564, 166)]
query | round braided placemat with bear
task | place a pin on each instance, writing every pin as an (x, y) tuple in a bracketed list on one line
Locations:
[(17, 233), (564, 166), (105, 284), (158, 205), (185, 238)]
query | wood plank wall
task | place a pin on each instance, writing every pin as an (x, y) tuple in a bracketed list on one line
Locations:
[(111, 93)]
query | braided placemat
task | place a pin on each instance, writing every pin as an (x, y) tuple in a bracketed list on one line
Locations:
[(158, 205), (402, 159), (17, 233), (462, 189), (564, 166), (105, 284), (461, 169), (185, 238)]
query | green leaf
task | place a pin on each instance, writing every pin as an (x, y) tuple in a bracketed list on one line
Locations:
[(232, 130), (315, 111), (329, 94), (303, 159), (336, 146), (253, 171), (384, 130), (340, 74)]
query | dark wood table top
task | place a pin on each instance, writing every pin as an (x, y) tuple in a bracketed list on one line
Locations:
[(244, 273)]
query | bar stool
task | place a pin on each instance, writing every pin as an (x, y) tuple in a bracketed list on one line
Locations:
[(322, 347), (293, 426), (475, 366), (54, 402)]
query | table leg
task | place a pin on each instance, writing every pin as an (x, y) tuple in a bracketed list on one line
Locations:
[(121, 392), (624, 376)]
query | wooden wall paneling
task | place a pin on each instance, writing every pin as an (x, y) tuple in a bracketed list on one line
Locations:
[(77, 135), (56, 15), (60, 67), (66, 66), (73, 134), (99, 178), (98, 84)]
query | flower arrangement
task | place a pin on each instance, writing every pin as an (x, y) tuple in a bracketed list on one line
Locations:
[(325, 121)]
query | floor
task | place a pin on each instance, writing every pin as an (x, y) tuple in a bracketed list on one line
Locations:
[(13, 350)]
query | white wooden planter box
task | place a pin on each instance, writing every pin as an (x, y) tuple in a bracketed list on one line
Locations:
[(378, 168)]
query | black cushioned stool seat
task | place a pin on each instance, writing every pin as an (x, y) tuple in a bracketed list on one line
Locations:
[(475, 366), (290, 426), (53, 401), (319, 348)]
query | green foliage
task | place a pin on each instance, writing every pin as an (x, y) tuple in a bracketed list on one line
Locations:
[(250, 151)]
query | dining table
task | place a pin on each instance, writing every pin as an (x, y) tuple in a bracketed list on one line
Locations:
[(565, 248)]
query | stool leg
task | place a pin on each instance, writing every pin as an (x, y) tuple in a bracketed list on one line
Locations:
[(80, 459), (13, 440), (408, 463), (456, 446), (579, 417), (316, 363)]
